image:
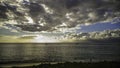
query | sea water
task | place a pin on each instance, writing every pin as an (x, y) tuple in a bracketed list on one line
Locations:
[(58, 52)]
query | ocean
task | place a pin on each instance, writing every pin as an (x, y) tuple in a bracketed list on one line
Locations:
[(58, 52)]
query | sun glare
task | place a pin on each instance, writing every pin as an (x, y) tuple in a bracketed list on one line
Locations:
[(43, 39)]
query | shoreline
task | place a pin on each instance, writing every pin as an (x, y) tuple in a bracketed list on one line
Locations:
[(37, 64)]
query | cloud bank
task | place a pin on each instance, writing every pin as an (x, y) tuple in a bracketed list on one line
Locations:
[(52, 15), (106, 35)]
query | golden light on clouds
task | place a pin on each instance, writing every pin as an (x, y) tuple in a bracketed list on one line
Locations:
[(28, 39)]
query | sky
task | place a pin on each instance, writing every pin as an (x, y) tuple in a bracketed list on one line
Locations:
[(45, 21)]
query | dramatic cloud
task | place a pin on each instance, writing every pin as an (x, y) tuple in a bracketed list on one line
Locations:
[(53, 15)]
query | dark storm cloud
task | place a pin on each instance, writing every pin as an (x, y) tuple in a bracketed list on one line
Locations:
[(84, 11), (50, 15), (4, 8), (2, 11), (35, 10), (33, 28), (71, 3)]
